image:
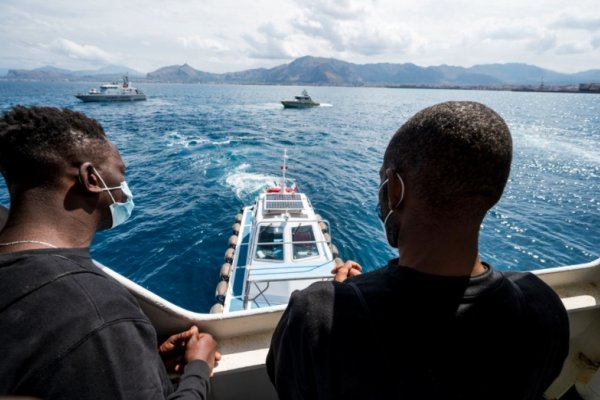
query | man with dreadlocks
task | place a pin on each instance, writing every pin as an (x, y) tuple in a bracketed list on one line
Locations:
[(68, 330)]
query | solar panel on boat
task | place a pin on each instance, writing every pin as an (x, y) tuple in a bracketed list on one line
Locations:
[(275, 201)]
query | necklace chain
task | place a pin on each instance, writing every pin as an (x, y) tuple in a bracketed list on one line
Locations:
[(28, 241)]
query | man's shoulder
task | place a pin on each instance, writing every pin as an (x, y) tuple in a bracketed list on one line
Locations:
[(68, 277), (530, 285), (313, 295)]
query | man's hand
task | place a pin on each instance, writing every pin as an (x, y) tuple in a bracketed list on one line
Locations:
[(202, 346), (348, 269), (187, 346)]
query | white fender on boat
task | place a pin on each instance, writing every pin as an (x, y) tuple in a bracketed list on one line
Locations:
[(327, 237), (323, 226), (217, 309), (221, 291), (318, 217), (225, 271), (334, 250), (233, 239), (229, 255), (236, 228), (238, 218)]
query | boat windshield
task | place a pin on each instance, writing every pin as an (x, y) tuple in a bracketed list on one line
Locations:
[(303, 242), (270, 243)]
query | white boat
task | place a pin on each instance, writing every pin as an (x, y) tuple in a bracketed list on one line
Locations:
[(115, 91), (302, 101), (278, 245)]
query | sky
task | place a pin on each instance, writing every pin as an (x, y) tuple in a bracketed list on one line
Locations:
[(230, 35)]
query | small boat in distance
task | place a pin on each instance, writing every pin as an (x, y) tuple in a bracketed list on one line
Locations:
[(278, 245), (115, 91), (302, 101)]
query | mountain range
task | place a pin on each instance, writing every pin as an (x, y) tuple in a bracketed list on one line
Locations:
[(310, 70)]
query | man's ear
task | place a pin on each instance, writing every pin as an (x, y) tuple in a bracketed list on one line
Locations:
[(396, 189), (88, 178)]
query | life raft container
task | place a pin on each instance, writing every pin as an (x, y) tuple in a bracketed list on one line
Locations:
[(277, 189)]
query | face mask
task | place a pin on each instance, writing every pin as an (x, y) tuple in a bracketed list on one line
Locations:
[(393, 241), (120, 211)]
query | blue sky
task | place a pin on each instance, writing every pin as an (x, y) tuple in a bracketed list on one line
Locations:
[(228, 35)]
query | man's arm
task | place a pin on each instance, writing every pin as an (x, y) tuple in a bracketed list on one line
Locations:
[(120, 360)]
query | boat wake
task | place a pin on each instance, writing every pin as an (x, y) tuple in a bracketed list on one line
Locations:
[(246, 185)]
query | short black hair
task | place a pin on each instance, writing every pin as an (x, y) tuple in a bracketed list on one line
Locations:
[(37, 143), (457, 156)]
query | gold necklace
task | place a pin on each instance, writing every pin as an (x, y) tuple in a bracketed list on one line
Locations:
[(29, 241)]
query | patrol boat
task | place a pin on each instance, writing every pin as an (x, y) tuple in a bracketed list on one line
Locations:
[(279, 244), (115, 91), (302, 101)]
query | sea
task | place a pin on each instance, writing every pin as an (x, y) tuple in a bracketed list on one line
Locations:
[(196, 154)]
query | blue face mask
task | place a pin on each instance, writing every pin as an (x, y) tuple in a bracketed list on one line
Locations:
[(120, 211)]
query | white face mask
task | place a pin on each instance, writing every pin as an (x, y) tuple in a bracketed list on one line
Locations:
[(385, 219), (120, 212)]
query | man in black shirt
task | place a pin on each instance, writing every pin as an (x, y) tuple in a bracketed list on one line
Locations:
[(67, 330), (436, 323)]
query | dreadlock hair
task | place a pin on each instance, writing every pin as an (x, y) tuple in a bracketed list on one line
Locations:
[(37, 143), (457, 156)]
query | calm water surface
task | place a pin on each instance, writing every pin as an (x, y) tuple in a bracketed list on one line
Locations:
[(196, 154)]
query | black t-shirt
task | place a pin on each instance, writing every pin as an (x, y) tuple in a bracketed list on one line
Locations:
[(397, 333), (69, 331)]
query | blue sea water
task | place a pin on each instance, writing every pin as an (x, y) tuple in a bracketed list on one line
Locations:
[(196, 154)]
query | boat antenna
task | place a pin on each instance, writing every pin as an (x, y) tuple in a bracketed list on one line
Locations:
[(283, 169)]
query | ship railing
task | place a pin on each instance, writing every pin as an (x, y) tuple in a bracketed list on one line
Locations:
[(260, 299)]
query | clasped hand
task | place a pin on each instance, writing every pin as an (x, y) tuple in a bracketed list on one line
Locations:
[(188, 346), (346, 270)]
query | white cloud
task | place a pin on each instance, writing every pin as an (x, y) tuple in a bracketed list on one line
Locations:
[(572, 48), (230, 35), (568, 21), (542, 43), (268, 48), (506, 30), (79, 51), (352, 27), (200, 43)]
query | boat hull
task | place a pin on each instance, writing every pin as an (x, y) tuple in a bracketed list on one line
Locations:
[(89, 98), (297, 104)]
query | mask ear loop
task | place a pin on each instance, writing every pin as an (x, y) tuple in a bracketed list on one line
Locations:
[(399, 201), (106, 188), (402, 195)]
